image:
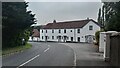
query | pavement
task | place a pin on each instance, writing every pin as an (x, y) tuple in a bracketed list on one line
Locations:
[(87, 54)]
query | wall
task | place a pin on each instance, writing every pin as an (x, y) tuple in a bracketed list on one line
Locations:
[(83, 32), (115, 50), (56, 33)]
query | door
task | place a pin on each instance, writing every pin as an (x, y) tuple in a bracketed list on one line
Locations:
[(59, 38), (78, 39), (45, 38), (65, 38), (90, 39), (71, 39)]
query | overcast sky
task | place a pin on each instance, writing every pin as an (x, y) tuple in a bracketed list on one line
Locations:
[(64, 11)]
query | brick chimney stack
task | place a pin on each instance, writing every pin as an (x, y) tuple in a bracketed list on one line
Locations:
[(54, 21)]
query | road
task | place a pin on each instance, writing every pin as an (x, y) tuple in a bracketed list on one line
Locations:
[(42, 54), (87, 55)]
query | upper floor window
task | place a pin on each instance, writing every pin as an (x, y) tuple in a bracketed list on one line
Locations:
[(78, 30), (90, 27), (64, 30), (42, 31), (59, 31), (46, 31), (52, 31)]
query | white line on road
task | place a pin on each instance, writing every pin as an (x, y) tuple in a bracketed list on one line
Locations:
[(48, 45), (46, 49), (32, 58), (28, 61), (75, 59)]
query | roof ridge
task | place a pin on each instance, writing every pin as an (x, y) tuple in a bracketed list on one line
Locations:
[(68, 24)]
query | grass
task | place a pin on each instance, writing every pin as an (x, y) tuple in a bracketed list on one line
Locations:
[(16, 49)]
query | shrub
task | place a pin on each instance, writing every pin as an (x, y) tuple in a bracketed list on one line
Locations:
[(97, 35)]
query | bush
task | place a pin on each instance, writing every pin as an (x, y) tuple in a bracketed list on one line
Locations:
[(97, 35)]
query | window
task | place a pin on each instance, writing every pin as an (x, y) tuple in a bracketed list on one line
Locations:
[(59, 31), (48, 37), (46, 31), (52, 37), (64, 30), (90, 27), (78, 30), (70, 30), (42, 31), (78, 39), (71, 38), (52, 31), (42, 37)]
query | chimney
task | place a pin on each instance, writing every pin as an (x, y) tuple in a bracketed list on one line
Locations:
[(54, 21), (87, 18)]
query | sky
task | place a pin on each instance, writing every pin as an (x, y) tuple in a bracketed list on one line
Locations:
[(46, 12)]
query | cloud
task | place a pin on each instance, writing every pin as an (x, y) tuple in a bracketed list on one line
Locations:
[(63, 0), (48, 11)]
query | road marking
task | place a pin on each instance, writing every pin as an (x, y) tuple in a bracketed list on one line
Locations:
[(75, 59), (33, 58), (46, 49), (48, 45), (28, 61)]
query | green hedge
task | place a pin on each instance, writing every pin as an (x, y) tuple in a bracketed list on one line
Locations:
[(97, 35)]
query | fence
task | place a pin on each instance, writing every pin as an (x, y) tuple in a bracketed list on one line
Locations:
[(115, 50)]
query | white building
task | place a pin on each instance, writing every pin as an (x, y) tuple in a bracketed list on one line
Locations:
[(71, 31)]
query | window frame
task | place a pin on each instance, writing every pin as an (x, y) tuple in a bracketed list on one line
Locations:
[(90, 27), (52, 30), (59, 31), (52, 37), (78, 30), (64, 30)]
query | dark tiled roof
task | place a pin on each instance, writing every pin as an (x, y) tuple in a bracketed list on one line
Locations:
[(36, 33), (68, 24)]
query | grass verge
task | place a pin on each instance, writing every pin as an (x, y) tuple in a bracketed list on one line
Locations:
[(16, 49)]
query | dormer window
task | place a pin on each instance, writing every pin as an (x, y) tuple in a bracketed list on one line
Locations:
[(90, 27)]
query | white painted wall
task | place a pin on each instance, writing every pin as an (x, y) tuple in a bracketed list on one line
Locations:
[(102, 41), (83, 32)]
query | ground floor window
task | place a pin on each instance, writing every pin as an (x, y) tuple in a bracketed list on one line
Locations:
[(42, 37), (71, 38), (52, 37), (78, 39)]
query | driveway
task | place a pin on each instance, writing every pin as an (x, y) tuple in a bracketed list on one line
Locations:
[(86, 54)]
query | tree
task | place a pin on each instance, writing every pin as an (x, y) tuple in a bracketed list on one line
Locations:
[(99, 17), (112, 16), (16, 19)]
